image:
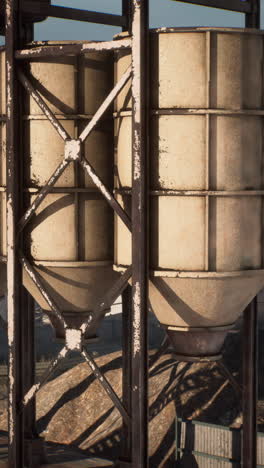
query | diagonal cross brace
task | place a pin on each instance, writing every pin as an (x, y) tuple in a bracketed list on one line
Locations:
[(106, 385), (38, 282), (107, 102), (66, 137), (43, 106), (43, 379), (108, 300), (42, 195), (111, 200)]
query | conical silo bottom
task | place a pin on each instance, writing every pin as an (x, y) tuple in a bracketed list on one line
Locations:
[(76, 288), (198, 309)]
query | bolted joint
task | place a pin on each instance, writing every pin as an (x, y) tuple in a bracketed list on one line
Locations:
[(73, 339), (72, 150)]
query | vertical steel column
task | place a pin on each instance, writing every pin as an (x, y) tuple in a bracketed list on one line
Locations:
[(253, 19), (27, 302), (29, 372), (126, 11), (140, 233), (126, 323), (126, 362), (250, 336), (250, 386), (14, 273)]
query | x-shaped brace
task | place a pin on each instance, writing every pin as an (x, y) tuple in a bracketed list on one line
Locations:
[(73, 147)]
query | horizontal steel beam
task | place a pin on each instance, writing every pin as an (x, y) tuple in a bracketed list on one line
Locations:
[(30, 6), (58, 50), (232, 5)]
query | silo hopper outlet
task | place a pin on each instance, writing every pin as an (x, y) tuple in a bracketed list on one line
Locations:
[(206, 181), (68, 237)]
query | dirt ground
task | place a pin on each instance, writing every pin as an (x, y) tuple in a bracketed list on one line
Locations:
[(196, 391)]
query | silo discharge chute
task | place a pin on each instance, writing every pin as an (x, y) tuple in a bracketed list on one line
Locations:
[(206, 181)]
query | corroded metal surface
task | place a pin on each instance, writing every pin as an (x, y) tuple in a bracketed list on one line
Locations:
[(140, 232), (46, 49)]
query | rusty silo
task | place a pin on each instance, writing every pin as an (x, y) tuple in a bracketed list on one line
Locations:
[(206, 198)]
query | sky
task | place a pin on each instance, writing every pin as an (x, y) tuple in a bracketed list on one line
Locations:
[(162, 13)]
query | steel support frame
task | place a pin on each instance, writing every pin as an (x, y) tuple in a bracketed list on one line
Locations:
[(240, 6), (250, 339), (140, 221), (23, 397), (21, 369), (136, 352), (55, 11)]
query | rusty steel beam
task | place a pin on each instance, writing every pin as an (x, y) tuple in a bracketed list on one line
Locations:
[(29, 350), (14, 270), (30, 6), (126, 455), (232, 380), (67, 49), (108, 299), (106, 193), (239, 6), (106, 104), (250, 338), (30, 394), (43, 106), (126, 13), (106, 385), (250, 380), (253, 18), (38, 282), (139, 378), (41, 195)]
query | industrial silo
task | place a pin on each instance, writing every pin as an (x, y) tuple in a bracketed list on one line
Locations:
[(206, 181), (69, 239)]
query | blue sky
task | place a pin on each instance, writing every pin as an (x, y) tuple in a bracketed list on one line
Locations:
[(162, 13)]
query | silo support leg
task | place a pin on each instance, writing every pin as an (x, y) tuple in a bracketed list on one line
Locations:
[(34, 445), (250, 386), (140, 234), (125, 459)]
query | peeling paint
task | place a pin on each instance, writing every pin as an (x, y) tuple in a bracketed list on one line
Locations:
[(32, 274), (137, 166), (73, 339), (30, 394), (42, 194), (44, 107), (57, 50), (136, 320), (105, 105), (96, 179), (72, 150)]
